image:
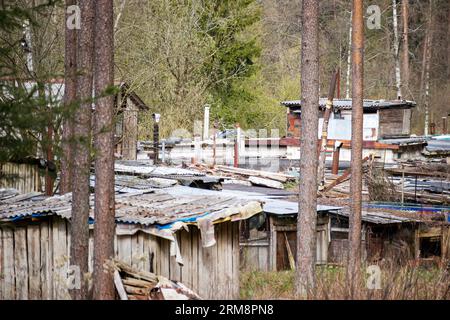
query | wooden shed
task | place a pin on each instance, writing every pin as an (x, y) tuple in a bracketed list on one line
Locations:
[(268, 239), (128, 106), (194, 240), (382, 118)]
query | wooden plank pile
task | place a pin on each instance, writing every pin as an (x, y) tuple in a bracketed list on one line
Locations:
[(248, 176), (133, 284)]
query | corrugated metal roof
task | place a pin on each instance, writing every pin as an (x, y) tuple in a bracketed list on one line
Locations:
[(378, 217), (144, 208), (272, 204), (405, 141), (346, 104), (144, 168)]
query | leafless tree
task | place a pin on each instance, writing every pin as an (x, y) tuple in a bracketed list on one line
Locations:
[(307, 215), (354, 263), (104, 150), (427, 62), (398, 78), (82, 141)]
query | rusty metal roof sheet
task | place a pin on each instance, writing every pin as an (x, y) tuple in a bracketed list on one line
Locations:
[(346, 104)]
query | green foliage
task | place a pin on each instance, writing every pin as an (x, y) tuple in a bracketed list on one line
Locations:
[(26, 106)]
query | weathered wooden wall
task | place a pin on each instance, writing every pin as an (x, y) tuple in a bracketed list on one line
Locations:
[(34, 259), (255, 255), (394, 122), (23, 177)]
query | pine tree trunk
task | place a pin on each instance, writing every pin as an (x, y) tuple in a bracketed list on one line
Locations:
[(70, 93), (104, 151), (82, 140), (349, 59), (354, 263), (448, 44), (306, 223), (398, 79)]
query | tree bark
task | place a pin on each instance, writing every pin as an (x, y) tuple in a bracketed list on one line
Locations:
[(428, 55), (448, 44), (398, 79), (70, 94), (405, 47), (349, 56), (82, 139), (354, 263), (307, 216), (104, 152)]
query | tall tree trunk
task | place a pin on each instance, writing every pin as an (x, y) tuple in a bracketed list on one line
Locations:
[(448, 44), (70, 93), (405, 47), (398, 79), (104, 151), (82, 139), (349, 59), (428, 55), (306, 222), (354, 263)]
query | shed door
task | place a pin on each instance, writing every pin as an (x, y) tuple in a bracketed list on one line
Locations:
[(282, 261)]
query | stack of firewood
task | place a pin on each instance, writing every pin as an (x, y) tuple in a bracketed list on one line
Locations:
[(132, 284)]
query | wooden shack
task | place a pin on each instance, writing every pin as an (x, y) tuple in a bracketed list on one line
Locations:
[(128, 106), (382, 120), (194, 240), (268, 239)]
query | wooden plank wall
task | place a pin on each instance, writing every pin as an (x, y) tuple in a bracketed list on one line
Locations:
[(391, 122), (255, 256), (26, 179), (34, 259), (212, 272)]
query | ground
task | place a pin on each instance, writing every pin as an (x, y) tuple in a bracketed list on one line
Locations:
[(396, 283)]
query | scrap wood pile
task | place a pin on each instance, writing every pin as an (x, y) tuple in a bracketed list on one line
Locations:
[(133, 284), (246, 176)]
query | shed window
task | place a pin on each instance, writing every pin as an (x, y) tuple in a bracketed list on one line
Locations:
[(338, 115), (430, 247), (254, 228)]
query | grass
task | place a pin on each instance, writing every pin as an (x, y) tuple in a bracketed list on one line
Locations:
[(397, 283)]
